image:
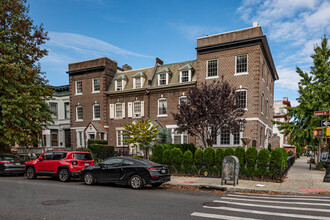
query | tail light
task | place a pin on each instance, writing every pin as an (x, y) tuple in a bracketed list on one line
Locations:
[(5, 162), (151, 168), (74, 162)]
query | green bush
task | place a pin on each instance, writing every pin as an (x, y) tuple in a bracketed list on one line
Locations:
[(245, 171), (219, 155), (269, 147), (167, 156), (96, 141), (183, 169), (312, 160), (208, 157), (198, 158), (194, 169), (203, 169), (276, 162), (229, 152), (176, 157), (168, 146), (157, 153), (256, 172), (298, 151), (86, 150), (215, 171), (251, 159), (185, 147), (187, 157), (102, 151), (284, 158), (290, 153), (240, 154), (263, 160), (319, 166)]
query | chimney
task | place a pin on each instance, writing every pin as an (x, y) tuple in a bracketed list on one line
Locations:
[(255, 24), (159, 61), (126, 67), (285, 99)]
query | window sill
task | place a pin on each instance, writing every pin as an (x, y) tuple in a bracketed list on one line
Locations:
[(162, 116), (262, 113), (96, 119), (95, 92), (241, 74), (78, 94), (212, 77), (79, 120)]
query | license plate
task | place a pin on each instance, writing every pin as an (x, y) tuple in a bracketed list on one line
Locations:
[(86, 164), (17, 163), (163, 171)]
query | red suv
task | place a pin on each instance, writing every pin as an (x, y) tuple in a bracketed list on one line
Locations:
[(61, 164)]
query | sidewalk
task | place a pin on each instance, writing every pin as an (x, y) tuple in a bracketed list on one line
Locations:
[(299, 180)]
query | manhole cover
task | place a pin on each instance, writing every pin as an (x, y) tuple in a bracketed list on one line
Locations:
[(55, 202)]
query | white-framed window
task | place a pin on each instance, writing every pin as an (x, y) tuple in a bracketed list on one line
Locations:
[(138, 82), (185, 76), (241, 98), (162, 79), (79, 113), (80, 138), (137, 109), (162, 107), (236, 138), (78, 87), (241, 64), (119, 110), (225, 137), (66, 110), (212, 69), (53, 108), (182, 99), (96, 112), (119, 85), (262, 103), (177, 138), (121, 136), (96, 85)]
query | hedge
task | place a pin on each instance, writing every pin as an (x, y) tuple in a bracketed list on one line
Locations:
[(208, 157), (229, 151), (198, 158), (102, 151), (276, 162), (240, 154), (187, 161), (290, 153), (167, 156), (157, 153), (263, 161), (176, 155), (251, 159), (96, 141)]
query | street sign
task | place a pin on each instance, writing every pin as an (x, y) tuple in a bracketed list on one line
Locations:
[(320, 113), (45, 132), (318, 133), (325, 123)]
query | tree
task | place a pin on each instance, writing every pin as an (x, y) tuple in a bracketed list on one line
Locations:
[(164, 136), (314, 91), (23, 87), (210, 108), (142, 134)]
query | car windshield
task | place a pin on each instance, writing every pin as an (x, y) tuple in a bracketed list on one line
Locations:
[(149, 162), (82, 156), (9, 157)]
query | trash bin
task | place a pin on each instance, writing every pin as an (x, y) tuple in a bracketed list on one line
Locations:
[(230, 170)]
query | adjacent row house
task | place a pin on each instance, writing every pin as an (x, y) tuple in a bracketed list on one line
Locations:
[(104, 97)]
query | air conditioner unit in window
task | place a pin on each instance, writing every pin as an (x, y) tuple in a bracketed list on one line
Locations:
[(137, 115)]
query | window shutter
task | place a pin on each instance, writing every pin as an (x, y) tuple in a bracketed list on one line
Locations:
[(142, 108), (142, 81), (112, 111), (123, 109), (129, 109), (134, 87)]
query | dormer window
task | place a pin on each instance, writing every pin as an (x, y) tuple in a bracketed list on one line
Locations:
[(186, 73), (120, 82), (184, 76), (138, 82), (119, 85), (162, 79)]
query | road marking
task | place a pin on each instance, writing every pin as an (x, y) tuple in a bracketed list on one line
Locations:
[(270, 213), (282, 195), (279, 198), (269, 201), (207, 215), (272, 207)]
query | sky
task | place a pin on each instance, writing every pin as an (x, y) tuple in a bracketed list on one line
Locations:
[(136, 32)]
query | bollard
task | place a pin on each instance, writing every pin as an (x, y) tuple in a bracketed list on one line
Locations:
[(327, 173)]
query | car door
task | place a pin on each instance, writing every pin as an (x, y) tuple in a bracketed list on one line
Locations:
[(43, 165), (111, 170), (56, 161)]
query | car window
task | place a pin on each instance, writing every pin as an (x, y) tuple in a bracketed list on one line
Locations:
[(82, 156), (9, 157), (128, 162), (59, 155), (113, 161), (47, 156), (147, 162)]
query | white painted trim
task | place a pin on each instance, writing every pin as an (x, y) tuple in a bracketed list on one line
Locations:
[(247, 65), (189, 75), (161, 115), (97, 91), (76, 93), (258, 119), (207, 70), (94, 112), (166, 74), (77, 113)]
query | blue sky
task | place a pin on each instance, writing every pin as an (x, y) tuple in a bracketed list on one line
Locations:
[(135, 32)]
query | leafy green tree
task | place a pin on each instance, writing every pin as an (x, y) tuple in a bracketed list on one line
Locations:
[(314, 91), (141, 133), (23, 87), (164, 136)]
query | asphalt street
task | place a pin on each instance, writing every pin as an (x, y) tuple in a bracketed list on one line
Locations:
[(47, 198)]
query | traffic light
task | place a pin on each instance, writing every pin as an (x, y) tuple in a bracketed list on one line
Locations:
[(318, 132), (327, 133)]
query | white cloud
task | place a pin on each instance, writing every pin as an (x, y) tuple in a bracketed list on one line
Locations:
[(192, 32), (294, 103), (289, 78)]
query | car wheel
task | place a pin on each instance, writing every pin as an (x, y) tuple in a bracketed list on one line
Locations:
[(155, 185), (136, 182), (89, 179), (64, 175), (31, 173)]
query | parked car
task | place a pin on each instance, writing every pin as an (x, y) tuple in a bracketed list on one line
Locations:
[(61, 164), (11, 164), (135, 172)]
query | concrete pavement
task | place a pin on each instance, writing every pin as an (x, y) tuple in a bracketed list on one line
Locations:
[(299, 180)]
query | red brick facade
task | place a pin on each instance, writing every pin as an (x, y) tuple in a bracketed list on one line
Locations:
[(118, 93)]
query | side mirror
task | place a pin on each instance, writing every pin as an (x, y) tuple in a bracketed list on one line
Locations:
[(40, 158)]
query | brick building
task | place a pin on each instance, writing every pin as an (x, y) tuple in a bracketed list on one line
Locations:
[(105, 97), (279, 115)]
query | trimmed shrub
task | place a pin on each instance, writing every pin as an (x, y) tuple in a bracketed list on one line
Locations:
[(219, 155), (269, 147), (86, 150), (176, 157), (208, 157), (203, 169), (240, 154), (167, 156), (168, 146), (312, 160), (183, 169), (187, 161), (290, 153), (102, 151), (157, 153), (245, 171), (198, 158), (229, 151), (298, 151), (263, 160), (276, 162), (319, 166), (256, 172), (96, 141), (185, 147), (251, 159), (284, 158), (194, 169)]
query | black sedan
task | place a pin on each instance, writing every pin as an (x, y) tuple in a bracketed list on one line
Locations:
[(135, 172), (11, 164)]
